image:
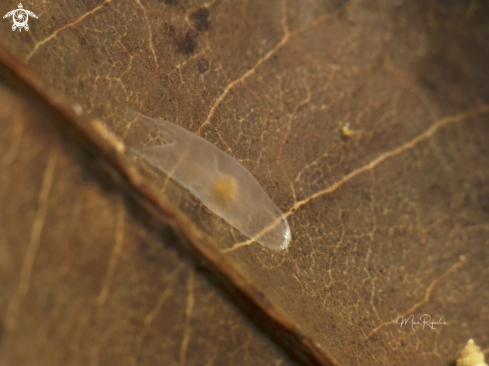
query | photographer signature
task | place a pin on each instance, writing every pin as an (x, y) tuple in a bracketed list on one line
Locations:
[(424, 320)]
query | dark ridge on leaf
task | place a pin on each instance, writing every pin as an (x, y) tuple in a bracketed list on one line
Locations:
[(186, 44), (200, 19)]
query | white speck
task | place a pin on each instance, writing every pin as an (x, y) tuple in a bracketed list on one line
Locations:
[(77, 108)]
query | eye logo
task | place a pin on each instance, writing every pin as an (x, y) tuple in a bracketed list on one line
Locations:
[(20, 17)]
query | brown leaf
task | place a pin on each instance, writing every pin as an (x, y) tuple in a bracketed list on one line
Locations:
[(387, 221), (83, 282)]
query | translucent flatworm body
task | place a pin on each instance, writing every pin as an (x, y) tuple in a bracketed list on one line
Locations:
[(222, 184)]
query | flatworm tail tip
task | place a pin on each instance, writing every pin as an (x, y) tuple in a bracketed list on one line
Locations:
[(284, 236), (287, 236)]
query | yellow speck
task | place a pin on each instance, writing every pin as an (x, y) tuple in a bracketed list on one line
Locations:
[(226, 187), (346, 132), (471, 355)]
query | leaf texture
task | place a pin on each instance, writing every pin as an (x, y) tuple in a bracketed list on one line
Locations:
[(366, 123)]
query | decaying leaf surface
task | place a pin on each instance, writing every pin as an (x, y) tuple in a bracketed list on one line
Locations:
[(84, 282), (391, 221)]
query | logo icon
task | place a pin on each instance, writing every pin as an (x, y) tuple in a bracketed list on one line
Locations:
[(20, 17)]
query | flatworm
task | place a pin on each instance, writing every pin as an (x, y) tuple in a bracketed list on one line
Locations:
[(225, 186)]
